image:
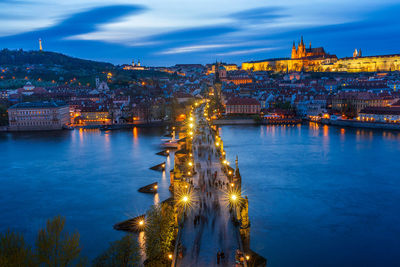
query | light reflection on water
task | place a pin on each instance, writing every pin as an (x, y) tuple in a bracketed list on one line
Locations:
[(315, 192), (323, 195)]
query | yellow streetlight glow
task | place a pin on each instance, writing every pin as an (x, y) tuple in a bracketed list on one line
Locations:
[(217, 143), (185, 199), (190, 164), (232, 184), (230, 172), (191, 125), (141, 222), (190, 133), (233, 197), (191, 119), (189, 173), (247, 257), (170, 256), (156, 186)]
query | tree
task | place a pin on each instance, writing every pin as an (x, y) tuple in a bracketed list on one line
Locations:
[(159, 234), (349, 110), (14, 252), (3, 115), (55, 247), (123, 253)]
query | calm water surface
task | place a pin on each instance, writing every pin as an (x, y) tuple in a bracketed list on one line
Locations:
[(319, 196)]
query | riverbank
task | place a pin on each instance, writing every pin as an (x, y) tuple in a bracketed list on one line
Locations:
[(251, 121), (359, 124)]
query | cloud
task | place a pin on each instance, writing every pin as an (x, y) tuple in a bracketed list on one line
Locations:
[(189, 49), (260, 15), (193, 34), (247, 51)]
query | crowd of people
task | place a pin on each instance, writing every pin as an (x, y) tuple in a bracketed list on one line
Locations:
[(209, 182)]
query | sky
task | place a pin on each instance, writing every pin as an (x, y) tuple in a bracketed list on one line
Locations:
[(168, 32)]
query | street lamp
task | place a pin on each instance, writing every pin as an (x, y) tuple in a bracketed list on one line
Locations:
[(234, 197)]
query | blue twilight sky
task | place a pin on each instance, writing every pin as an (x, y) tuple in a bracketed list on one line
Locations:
[(166, 32)]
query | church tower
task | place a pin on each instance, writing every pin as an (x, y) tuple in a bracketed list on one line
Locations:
[(302, 49), (40, 45), (294, 51)]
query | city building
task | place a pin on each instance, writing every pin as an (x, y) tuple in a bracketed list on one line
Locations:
[(237, 105), (134, 66), (380, 114), (357, 100), (31, 116), (94, 116)]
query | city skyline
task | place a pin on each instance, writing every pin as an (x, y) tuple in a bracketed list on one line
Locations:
[(164, 34)]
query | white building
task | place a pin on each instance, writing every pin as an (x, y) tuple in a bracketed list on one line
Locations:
[(38, 116)]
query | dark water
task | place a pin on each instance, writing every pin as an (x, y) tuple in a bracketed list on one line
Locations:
[(90, 177), (318, 196)]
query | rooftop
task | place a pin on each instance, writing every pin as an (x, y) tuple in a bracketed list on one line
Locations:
[(43, 104)]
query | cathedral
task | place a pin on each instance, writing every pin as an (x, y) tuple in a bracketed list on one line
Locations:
[(302, 52)]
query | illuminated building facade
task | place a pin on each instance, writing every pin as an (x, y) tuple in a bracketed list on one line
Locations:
[(94, 116), (134, 66), (317, 60)]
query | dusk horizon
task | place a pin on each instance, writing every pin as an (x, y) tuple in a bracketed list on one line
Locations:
[(165, 35)]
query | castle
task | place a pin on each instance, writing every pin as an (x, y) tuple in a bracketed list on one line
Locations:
[(317, 60)]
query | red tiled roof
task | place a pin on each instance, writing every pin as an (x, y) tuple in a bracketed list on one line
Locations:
[(242, 101), (381, 110)]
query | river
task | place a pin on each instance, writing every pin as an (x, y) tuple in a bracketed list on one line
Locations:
[(318, 195)]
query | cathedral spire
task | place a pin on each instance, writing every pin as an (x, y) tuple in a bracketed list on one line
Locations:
[(302, 43)]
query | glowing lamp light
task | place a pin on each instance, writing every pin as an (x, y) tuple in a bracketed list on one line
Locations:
[(191, 118), (232, 184), (141, 222), (247, 257), (230, 172), (217, 143), (190, 163), (156, 186), (170, 256), (234, 197), (185, 199), (191, 125)]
